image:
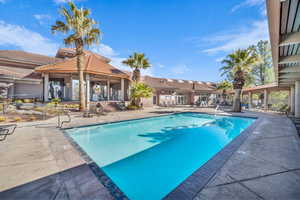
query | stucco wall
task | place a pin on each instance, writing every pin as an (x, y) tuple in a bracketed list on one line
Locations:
[(23, 90), (147, 102)]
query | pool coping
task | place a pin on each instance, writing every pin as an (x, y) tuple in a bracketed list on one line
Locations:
[(192, 185)]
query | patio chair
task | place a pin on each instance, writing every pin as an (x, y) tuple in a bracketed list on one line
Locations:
[(6, 130), (121, 106), (99, 109)]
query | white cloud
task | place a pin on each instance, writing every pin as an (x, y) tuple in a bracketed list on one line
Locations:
[(42, 18), (116, 59), (248, 3), (251, 3), (180, 69), (63, 1), (238, 38), (104, 50), (26, 39), (161, 65)]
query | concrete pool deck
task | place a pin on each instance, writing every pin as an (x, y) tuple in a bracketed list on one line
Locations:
[(38, 162)]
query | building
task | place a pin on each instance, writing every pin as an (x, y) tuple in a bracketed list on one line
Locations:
[(168, 92), (284, 24), (42, 77), (26, 75)]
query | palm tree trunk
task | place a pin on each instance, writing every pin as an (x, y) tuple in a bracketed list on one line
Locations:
[(137, 75), (80, 63), (237, 100), (137, 78)]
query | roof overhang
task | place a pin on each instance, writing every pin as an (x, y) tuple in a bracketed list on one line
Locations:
[(284, 22)]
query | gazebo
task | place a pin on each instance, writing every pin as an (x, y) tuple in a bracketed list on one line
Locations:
[(103, 82)]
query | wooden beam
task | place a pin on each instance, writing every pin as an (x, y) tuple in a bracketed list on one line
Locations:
[(273, 12), (291, 38), (290, 69), (287, 80), (290, 75), (289, 59)]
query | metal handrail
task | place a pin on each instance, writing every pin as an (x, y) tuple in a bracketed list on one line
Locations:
[(60, 123), (4, 135), (5, 127)]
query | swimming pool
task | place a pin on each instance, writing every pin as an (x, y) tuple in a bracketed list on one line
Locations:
[(148, 158)]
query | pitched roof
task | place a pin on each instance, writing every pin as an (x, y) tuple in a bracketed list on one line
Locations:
[(18, 72), (21, 56), (182, 85), (93, 64)]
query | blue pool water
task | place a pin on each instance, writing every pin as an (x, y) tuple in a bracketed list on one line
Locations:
[(148, 158)]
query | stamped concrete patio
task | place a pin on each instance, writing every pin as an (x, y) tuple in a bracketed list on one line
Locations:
[(38, 162)]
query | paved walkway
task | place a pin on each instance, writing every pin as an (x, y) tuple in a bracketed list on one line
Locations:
[(38, 162), (267, 165)]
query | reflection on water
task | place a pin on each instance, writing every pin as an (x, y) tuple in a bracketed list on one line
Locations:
[(142, 156)]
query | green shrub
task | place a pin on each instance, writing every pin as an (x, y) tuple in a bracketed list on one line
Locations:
[(18, 101), (2, 119), (17, 119), (28, 100), (133, 107), (55, 101)]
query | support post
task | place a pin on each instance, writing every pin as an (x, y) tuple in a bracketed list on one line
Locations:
[(11, 91), (250, 100), (108, 90), (46, 87), (292, 99), (266, 99), (297, 99), (122, 89), (87, 89)]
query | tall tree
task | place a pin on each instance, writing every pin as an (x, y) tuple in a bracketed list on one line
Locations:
[(238, 65), (262, 70), (137, 61), (83, 31)]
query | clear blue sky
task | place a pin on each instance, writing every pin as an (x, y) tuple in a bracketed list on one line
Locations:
[(183, 39)]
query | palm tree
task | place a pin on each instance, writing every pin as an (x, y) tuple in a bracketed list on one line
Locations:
[(237, 67), (83, 32), (137, 61), (138, 91)]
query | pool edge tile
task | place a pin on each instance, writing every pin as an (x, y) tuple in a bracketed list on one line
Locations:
[(200, 178)]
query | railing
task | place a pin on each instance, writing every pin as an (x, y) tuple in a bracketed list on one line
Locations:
[(62, 112), (5, 128)]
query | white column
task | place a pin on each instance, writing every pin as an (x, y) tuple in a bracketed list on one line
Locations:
[(108, 90), (122, 89), (297, 99), (250, 99), (265, 99), (11, 91), (87, 90), (46, 87), (292, 99)]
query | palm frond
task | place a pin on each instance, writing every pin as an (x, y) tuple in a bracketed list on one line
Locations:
[(59, 26)]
